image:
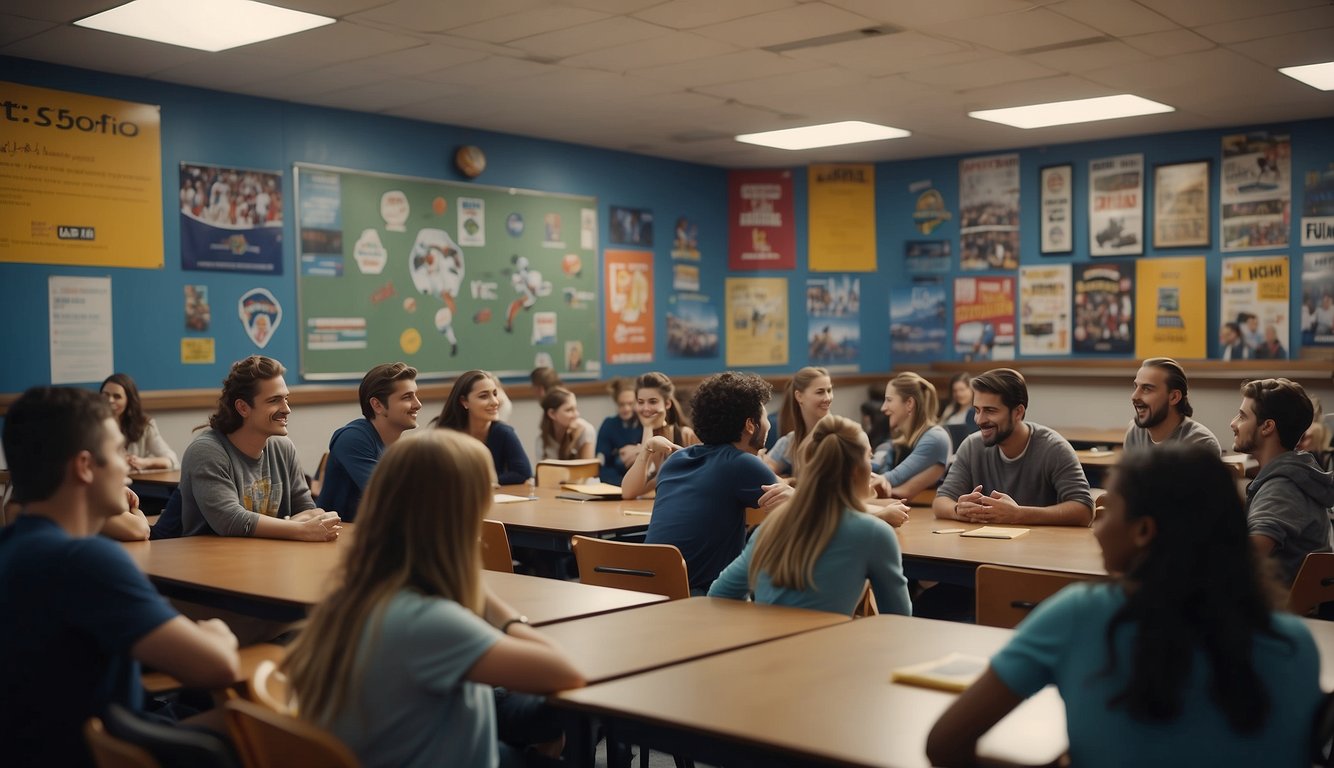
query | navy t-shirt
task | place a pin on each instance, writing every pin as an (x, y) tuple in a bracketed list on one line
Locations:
[(70, 610)]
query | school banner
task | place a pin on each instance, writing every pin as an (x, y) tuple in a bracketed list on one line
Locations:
[(80, 180), (984, 318), (629, 282), (1104, 307), (757, 321), (1044, 310), (1172, 319), (761, 228), (231, 219), (1255, 297), (841, 218)]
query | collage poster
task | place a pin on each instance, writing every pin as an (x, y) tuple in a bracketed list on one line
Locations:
[(841, 218), (917, 314), (833, 316), (762, 226), (692, 326), (989, 212), (629, 320), (231, 219), (1116, 206), (920, 256), (1318, 299), (1255, 300), (1104, 308), (1044, 314), (1256, 198), (757, 321), (984, 318), (1173, 319), (1318, 207)]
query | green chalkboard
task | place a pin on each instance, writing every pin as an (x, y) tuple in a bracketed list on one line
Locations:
[(444, 276)]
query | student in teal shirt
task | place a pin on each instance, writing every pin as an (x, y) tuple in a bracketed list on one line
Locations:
[(1180, 661)]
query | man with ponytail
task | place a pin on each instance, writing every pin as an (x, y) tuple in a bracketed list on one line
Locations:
[(1162, 408)]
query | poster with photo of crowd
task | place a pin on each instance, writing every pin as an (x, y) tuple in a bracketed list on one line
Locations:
[(1254, 308), (1317, 317), (989, 212), (1104, 308)]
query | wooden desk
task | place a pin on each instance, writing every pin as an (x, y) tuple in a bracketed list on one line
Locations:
[(298, 574), (167, 478), (627, 642), (548, 522), (1089, 437), (821, 696), (952, 558)]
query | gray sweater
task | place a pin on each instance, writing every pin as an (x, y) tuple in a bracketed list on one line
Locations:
[(1047, 473), (1289, 502), (1189, 431), (224, 491)]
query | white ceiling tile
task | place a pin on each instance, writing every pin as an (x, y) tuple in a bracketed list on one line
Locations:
[(91, 49), (788, 25), (981, 73), (221, 71), (1017, 31), (1273, 26), (438, 16), (316, 81), (1088, 57), (14, 28), (60, 11), (882, 55), (796, 86), (1115, 17), (1169, 43), (526, 24), (671, 48), (746, 65), (1196, 78), (334, 43), (692, 14), (1196, 13), (918, 14), (423, 58), (1310, 47), (595, 36), (1041, 91), (613, 7), (488, 71), (334, 8), (378, 96)]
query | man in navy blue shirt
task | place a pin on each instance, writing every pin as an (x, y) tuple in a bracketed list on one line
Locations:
[(78, 616), (389, 406)]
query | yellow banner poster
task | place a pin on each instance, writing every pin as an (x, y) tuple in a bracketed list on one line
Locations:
[(80, 180), (197, 351), (757, 327), (1172, 320), (842, 218)]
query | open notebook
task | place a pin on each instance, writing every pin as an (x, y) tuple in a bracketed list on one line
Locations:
[(953, 672), (994, 532), (593, 490)]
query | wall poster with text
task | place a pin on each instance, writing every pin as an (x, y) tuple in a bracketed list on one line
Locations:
[(1318, 207), (917, 321), (629, 307), (692, 325), (1116, 206), (984, 318), (1256, 196), (1044, 310), (1317, 322), (1256, 298), (1172, 319), (989, 212), (231, 219), (757, 321), (1104, 308), (841, 218), (762, 228), (833, 317), (1057, 210)]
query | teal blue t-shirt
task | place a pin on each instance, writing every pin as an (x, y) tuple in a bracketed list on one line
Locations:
[(1063, 642)]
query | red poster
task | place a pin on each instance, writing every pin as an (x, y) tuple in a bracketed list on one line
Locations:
[(761, 232), (629, 306)]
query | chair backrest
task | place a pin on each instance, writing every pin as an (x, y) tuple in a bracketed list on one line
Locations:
[(317, 482), (655, 568), (756, 515), (111, 752), (170, 746), (496, 547), (1322, 738), (268, 739), (1314, 584), (550, 474), (269, 687), (1006, 595)]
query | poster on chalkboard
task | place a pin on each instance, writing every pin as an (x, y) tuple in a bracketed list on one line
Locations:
[(442, 275)]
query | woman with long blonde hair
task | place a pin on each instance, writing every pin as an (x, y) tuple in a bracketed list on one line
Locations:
[(914, 458), (807, 399), (817, 550), (399, 661)]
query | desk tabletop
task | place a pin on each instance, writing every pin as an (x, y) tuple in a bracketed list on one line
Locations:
[(586, 518), (1091, 436), (169, 478), (848, 710), (1066, 548), (301, 573), (618, 644)]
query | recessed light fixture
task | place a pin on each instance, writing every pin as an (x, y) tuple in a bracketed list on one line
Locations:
[(208, 25), (827, 135), (1315, 75), (1077, 111)]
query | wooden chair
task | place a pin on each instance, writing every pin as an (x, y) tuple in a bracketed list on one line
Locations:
[(111, 752), (317, 482), (755, 516), (269, 687), (550, 473), (1314, 584), (655, 568), (268, 739), (167, 745), (1006, 595), (496, 554)]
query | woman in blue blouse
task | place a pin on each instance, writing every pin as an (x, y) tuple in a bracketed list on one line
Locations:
[(914, 458), (473, 407), (1180, 661)]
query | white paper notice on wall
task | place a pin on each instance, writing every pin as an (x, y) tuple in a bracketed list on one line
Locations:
[(80, 310)]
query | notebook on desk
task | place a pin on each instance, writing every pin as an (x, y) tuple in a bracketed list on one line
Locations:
[(593, 490), (994, 532), (953, 672)]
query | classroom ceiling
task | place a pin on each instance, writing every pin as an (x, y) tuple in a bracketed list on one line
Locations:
[(678, 78)]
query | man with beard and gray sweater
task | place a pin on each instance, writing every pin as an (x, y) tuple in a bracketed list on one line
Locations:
[(1287, 504)]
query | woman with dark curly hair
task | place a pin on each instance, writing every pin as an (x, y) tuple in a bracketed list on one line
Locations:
[(144, 447)]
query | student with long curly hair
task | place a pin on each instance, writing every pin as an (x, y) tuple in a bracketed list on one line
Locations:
[(660, 415), (145, 449)]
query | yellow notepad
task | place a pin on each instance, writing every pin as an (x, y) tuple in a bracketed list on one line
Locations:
[(600, 490), (954, 672), (508, 498), (993, 532)]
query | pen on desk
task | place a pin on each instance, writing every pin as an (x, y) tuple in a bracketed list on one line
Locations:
[(637, 512)]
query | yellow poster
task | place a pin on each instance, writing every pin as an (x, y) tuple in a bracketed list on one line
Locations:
[(757, 327), (1172, 320), (196, 351), (842, 218), (80, 179)]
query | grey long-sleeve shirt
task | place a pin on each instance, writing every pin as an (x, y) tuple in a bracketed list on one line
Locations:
[(224, 491)]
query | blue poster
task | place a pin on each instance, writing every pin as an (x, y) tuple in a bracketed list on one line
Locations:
[(917, 322), (320, 250), (231, 219), (692, 326)]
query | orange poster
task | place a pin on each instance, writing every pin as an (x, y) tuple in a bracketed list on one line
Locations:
[(629, 325)]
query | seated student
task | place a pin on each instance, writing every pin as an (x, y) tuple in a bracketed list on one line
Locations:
[(428, 638), (818, 549), (660, 414), (1182, 660), (959, 408), (806, 400), (915, 457), (472, 407), (145, 449), (1162, 407), (563, 434), (389, 407), (240, 476), (78, 615), (620, 433)]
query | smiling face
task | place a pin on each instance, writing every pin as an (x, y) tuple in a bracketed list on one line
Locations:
[(1245, 428), (625, 404), (895, 407), (994, 420), (963, 394), (483, 400), (565, 414), (1151, 398), (652, 407), (268, 415), (402, 406), (815, 399), (761, 432), (115, 397)]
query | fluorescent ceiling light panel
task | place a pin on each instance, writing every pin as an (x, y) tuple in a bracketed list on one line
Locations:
[(1315, 75), (827, 135), (208, 25), (1077, 111)]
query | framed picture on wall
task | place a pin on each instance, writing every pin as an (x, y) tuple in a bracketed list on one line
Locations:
[(1056, 183), (1181, 205)]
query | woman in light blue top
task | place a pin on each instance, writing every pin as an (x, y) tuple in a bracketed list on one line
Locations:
[(806, 400), (913, 459), (1182, 660), (818, 550)]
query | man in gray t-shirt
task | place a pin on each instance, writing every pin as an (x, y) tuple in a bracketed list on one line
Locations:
[(1010, 471), (1162, 408)]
